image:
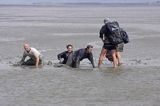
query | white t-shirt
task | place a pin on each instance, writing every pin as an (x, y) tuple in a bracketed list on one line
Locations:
[(34, 53)]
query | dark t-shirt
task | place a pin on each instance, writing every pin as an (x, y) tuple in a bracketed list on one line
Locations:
[(104, 32), (64, 55), (82, 54)]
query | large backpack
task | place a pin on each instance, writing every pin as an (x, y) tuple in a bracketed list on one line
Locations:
[(125, 36), (115, 35)]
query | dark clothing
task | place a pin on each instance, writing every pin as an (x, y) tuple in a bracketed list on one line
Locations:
[(109, 46), (81, 54), (104, 32), (64, 56), (119, 48), (31, 62)]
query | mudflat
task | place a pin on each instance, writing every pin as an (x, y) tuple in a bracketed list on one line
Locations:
[(50, 28)]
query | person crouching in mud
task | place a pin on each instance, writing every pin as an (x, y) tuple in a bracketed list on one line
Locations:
[(66, 56), (35, 57), (81, 54)]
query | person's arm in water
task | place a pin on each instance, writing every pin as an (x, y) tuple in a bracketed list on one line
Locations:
[(78, 62), (23, 59), (37, 55), (37, 61), (90, 58), (60, 56), (76, 59)]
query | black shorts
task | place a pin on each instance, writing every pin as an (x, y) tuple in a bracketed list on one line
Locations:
[(109, 46), (31, 62)]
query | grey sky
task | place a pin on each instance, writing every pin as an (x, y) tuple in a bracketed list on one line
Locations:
[(62, 1)]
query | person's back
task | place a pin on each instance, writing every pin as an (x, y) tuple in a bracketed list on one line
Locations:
[(81, 54), (33, 54), (115, 33), (104, 33)]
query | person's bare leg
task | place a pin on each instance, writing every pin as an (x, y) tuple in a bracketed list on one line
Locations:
[(119, 58), (114, 58), (101, 57)]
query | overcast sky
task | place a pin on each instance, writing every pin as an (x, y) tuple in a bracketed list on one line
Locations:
[(68, 1)]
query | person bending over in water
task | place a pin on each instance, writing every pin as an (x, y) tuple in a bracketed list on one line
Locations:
[(66, 56), (81, 54), (35, 57)]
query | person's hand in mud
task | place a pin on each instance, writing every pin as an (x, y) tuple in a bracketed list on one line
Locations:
[(37, 62)]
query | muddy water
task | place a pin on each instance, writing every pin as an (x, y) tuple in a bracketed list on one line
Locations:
[(49, 29)]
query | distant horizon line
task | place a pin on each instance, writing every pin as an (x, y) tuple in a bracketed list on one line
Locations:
[(100, 3)]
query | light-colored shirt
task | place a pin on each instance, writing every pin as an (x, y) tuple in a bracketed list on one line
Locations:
[(33, 54)]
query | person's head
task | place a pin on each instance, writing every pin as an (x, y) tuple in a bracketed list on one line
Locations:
[(89, 48), (27, 47), (69, 48), (106, 20)]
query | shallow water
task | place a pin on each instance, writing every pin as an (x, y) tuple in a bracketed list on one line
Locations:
[(51, 86), (49, 29)]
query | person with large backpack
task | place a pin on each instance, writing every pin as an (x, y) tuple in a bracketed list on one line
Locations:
[(109, 41), (119, 47)]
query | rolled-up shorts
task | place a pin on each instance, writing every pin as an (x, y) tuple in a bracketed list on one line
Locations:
[(109, 46), (119, 47)]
